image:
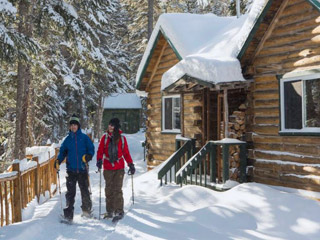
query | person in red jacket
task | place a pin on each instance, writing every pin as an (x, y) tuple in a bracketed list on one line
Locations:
[(112, 151)]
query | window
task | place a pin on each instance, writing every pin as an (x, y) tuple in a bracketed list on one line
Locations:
[(171, 113), (300, 104)]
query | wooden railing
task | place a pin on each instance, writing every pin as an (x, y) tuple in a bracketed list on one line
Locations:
[(28, 179), (195, 170), (176, 160)]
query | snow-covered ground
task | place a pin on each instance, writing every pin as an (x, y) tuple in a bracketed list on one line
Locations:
[(248, 211)]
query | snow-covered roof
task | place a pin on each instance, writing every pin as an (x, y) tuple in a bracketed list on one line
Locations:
[(122, 101), (208, 45)]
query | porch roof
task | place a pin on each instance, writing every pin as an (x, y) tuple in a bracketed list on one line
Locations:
[(217, 62)]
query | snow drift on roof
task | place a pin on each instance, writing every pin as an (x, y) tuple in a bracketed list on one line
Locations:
[(122, 101), (207, 44)]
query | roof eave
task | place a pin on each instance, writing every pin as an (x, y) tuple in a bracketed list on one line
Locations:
[(254, 30), (315, 3), (148, 61), (206, 83), (161, 31)]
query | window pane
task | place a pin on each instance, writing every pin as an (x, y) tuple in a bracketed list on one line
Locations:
[(168, 113), (293, 104), (176, 113), (312, 103)]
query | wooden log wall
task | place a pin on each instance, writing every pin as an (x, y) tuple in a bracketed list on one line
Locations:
[(191, 113), (192, 116), (156, 153), (19, 190), (292, 44)]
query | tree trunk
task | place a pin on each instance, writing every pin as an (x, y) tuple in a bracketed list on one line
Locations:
[(81, 110), (98, 118), (23, 82), (150, 17), (31, 117)]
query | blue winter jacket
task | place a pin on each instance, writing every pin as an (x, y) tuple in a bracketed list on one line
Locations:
[(74, 146)]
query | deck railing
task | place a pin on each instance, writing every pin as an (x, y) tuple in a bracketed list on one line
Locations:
[(26, 180), (176, 160), (194, 171)]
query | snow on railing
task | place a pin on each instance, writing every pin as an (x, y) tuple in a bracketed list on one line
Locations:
[(26, 179)]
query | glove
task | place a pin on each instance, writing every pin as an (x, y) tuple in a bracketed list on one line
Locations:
[(132, 169), (56, 164), (86, 158), (99, 164)]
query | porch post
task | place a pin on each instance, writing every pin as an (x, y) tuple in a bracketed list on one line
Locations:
[(182, 115), (225, 156), (226, 112)]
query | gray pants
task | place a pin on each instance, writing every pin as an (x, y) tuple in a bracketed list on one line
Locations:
[(113, 190)]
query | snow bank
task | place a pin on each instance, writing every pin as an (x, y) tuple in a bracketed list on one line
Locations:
[(247, 211)]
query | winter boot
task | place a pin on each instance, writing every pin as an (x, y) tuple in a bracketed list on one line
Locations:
[(68, 214), (118, 217)]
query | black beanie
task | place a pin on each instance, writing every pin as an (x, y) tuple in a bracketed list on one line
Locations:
[(115, 122), (75, 120)]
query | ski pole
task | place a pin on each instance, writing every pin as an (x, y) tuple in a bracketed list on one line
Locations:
[(100, 196), (129, 173), (132, 189), (59, 189)]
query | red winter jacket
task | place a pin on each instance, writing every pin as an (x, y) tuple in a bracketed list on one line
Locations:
[(122, 154)]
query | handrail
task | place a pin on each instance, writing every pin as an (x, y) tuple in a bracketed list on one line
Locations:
[(174, 161), (8, 178), (194, 165), (22, 184), (195, 161)]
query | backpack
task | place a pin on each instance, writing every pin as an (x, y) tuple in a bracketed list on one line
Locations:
[(105, 143)]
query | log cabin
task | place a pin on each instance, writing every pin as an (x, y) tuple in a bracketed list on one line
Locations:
[(255, 79), (124, 106)]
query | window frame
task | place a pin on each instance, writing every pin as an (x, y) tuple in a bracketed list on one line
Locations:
[(303, 77), (173, 130)]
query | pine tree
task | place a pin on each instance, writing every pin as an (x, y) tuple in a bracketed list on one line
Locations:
[(218, 7), (244, 6), (13, 44)]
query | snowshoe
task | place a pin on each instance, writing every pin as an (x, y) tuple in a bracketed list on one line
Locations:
[(118, 217), (66, 220), (87, 215), (107, 215)]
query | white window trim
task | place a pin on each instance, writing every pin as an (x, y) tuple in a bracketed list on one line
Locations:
[(163, 115), (303, 78)]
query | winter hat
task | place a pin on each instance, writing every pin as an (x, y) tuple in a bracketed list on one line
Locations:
[(115, 122), (74, 120)]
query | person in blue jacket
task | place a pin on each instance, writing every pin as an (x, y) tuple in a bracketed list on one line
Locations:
[(78, 150)]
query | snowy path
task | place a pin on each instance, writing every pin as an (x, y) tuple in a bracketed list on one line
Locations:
[(42, 221), (249, 211)]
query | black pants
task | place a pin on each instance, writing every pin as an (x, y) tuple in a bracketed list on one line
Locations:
[(83, 182)]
